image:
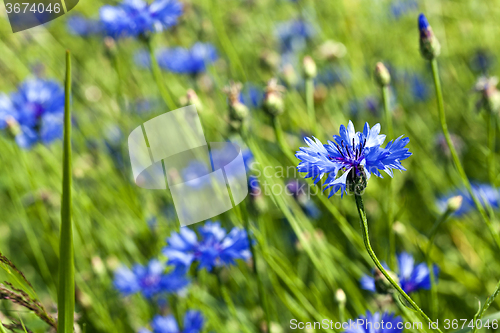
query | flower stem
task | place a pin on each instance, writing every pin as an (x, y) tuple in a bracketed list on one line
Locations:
[(491, 146), (454, 155), (66, 294), (280, 137), (310, 105), (432, 234), (260, 285), (366, 238), (158, 77), (486, 305), (390, 201)]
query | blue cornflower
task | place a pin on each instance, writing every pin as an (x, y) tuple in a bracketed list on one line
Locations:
[(486, 194), (149, 280), (82, 26), (298, 189), (252, 96), (293, 35), (34, 112), (136, 17), (187, 61), (193, 174), (411, 277), (358, 153), (216, 248), (193, 323), (401, 7), (376, 323)]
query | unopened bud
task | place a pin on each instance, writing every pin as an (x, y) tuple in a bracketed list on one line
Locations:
[(382, 75), (490, 96), (340, 296), (290, 76), (429, 45), (13, 126), (310, 70), (191, 98), (110, 45), (273, 99), (382, 285), (331, 50), (454, 203), (269, 59), (238, 111)]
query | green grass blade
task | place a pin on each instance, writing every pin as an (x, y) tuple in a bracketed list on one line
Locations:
[(66, 292)]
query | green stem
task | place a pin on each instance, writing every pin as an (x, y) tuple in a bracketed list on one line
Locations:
[(260, 285), (280, 137), (310, 105), (491, 146), (432, 235), (390, 201), (158, 76), (66, 294), (366, 238), (486, 305), (454, 155)]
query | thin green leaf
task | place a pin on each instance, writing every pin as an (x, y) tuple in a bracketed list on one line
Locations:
[(66, 292)]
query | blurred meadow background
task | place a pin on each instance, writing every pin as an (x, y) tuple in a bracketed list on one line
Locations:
[(305, 247)]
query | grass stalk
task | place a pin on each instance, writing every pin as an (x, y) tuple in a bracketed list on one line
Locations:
[(454, 155), (66, 292), (366, 238)]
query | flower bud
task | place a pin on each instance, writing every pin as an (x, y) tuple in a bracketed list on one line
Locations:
[(191, 98), (13, 127), (356, 181), (273, 100), (340, 296), (238, 112), (269, 60), (454, 203), (490, 96), (310, 70), (331, 50), (382, 75), (429, 45), (382, 285), (290, 76)]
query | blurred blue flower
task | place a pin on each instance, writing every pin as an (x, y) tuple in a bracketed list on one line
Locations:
[(411, 277), (360, 153), (402, 7), (301, 192), (482, 61), (34, 113), (252, 96), (193, 323), (254, 186), (194, 172), (216, 248), (418, 87), (187, 61), (487, 195), (386, 323), (293, 35), (150, 280), (136, 17), (81, 26)]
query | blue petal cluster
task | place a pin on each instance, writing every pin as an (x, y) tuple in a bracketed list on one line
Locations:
[(360, 152), (293, 35), (193, 323), (487, 195), (215, 248), (411, 277), (34, 112), (423, 24), (132, 18), (81, 26), (150, 280), (386, 323), (187, 61)]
